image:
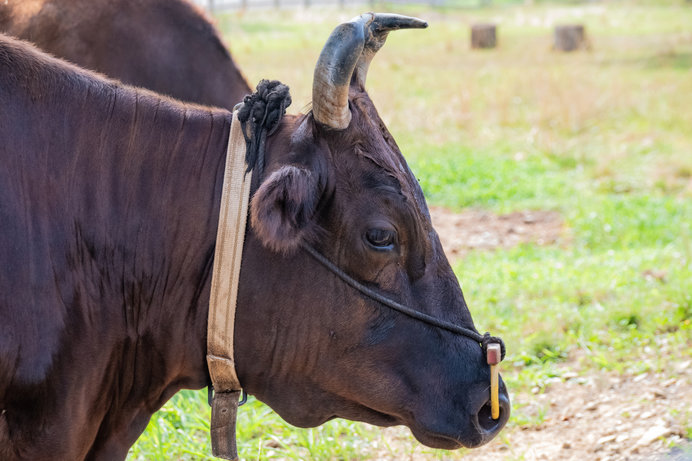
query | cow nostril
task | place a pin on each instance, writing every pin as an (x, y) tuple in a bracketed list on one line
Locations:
[(485, 419), (483, 423)]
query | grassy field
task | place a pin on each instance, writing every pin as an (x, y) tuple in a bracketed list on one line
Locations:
[(603, 137)]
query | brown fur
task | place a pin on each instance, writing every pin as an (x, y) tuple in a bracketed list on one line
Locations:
[(168, 46), (109, 201)]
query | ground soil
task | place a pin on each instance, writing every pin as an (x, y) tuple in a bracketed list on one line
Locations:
[(583, 414), (484, 230)]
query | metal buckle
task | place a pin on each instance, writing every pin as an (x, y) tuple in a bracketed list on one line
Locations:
[(210, 396)]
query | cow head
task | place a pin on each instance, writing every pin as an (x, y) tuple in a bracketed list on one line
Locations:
[(308, 344)]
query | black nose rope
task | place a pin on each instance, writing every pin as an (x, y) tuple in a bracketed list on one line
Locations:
[(483, 340), (260, 116)]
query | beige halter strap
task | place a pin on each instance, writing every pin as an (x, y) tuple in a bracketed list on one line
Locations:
[(224, 293)]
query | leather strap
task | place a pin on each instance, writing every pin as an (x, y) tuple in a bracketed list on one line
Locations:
[(224, 411), (224, 293)]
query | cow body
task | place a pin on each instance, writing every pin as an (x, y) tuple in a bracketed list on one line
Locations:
[(167, 46), (109, 201), (90, 260)]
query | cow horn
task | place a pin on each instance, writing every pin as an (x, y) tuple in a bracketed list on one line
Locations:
[(346, 55)]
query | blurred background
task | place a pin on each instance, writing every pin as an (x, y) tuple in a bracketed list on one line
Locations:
[(560, 183)]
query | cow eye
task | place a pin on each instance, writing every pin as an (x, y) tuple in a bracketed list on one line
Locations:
[(381, 239)]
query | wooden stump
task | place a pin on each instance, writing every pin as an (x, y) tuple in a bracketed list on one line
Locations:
[(569, 37), (483, 36)]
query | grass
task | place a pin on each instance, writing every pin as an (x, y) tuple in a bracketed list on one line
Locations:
[(602, 137)]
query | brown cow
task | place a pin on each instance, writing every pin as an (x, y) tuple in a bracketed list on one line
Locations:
[(109, 202), (167, 46)]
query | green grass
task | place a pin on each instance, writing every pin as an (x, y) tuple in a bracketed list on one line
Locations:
[(604, 137), (180, 431)]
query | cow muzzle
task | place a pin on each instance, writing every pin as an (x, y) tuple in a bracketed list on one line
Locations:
[(446, 427)]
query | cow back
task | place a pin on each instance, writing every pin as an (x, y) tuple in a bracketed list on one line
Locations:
[(168, 46)]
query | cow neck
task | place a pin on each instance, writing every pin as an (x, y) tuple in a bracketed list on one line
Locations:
[(224, 293)]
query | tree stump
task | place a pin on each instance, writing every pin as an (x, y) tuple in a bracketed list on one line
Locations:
[(569, 37), (483, 36)]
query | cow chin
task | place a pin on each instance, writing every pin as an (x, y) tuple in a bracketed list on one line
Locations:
[(446, 438), (437, 441)]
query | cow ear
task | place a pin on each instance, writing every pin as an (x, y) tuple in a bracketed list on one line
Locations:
[(282, 209)]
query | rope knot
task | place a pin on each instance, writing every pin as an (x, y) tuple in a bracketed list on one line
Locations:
[(260, 116)]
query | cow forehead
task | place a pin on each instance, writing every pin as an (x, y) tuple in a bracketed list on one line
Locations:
[(372, 141), (399, 173)]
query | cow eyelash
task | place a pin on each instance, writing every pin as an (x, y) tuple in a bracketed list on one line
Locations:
[(381, 239)]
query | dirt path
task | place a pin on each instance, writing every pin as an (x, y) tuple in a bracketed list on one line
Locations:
[(580, 415), (483, 230)]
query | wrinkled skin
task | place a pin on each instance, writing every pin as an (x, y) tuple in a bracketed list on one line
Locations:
[(109, 216), (168, 46)]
